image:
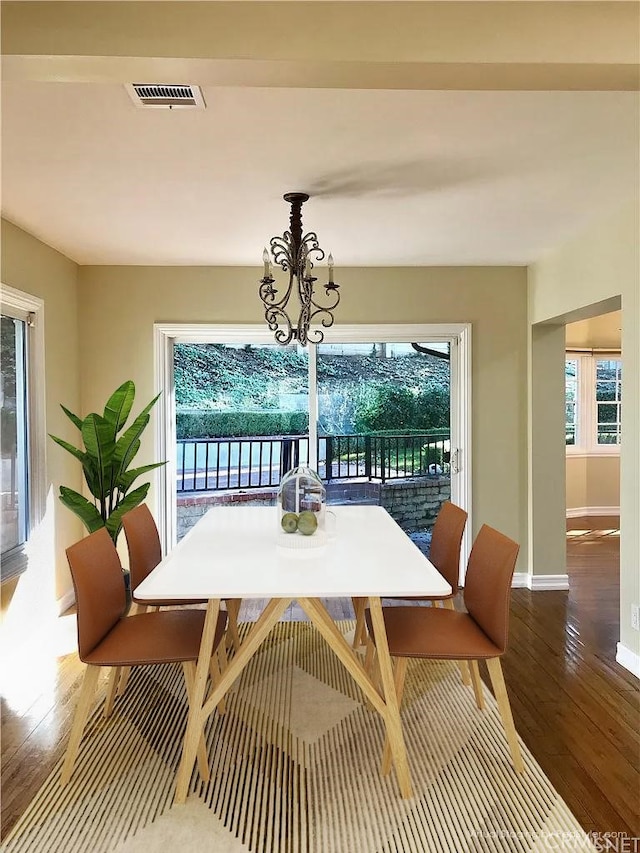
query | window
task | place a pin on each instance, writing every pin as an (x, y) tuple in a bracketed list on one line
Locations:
[(14, 470), (593, 403), (571, 399), (608, 400), (22, 442)]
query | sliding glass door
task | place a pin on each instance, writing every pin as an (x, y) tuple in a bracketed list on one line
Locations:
[(14, 465), (381, 415)]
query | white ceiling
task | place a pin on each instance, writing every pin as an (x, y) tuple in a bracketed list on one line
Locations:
[(397, 176)]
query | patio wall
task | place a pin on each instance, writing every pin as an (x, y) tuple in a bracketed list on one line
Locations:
[(414, 504)]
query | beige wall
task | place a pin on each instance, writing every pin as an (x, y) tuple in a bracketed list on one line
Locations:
[(118, 306), (31, 266), (586, 277), (593, 481)]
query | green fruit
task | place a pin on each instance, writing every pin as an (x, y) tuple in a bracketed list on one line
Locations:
[(307, 523), (289, 522)]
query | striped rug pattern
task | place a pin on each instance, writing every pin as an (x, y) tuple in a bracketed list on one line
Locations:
[(295, 769)]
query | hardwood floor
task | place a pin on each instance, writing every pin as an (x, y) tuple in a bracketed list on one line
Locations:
[(576, 709)]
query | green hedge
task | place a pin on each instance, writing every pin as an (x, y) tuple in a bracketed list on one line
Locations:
[(215, 424)]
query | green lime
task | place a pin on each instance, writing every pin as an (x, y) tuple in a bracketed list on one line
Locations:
[(307, 522), (289, 522)]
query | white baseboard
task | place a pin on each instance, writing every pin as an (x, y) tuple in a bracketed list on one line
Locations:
[(628, 659), (540, 582), (536, 583), (66, 601), (581, 511)]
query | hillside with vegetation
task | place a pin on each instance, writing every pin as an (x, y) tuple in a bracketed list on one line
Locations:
[(222, 390)]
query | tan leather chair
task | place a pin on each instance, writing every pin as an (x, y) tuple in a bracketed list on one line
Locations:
[(479, 634), (444, 554), (107, 638), (145, 552)]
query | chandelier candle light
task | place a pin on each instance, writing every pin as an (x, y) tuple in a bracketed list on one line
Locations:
[(293, 252)]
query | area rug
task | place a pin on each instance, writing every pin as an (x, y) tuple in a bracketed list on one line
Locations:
[(295, 769)]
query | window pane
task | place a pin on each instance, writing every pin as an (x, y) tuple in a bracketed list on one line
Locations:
[(607, 413), (242, 420), (607, 368), (608, 434), (608, 388), (13, 414), (384, 418), (606, 391), (571, 399)]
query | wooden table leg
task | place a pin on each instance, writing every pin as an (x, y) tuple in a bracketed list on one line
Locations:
[(201, 708), (392, 715), (389, 708), (195, 720), (359, 606)]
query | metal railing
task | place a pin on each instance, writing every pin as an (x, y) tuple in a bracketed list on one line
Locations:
[(215, 464)]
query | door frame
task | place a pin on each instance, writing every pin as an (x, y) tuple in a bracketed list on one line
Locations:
[(166, 335)]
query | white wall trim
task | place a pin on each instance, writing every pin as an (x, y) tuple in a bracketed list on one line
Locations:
[(580, 511), (628, 659), (67, 600), (165, 437), (538, 583)]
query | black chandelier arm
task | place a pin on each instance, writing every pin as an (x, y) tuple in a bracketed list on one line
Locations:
[(267, 293), (311, 244), (326, 320), (279, 322), (331, 306), (283, 251)]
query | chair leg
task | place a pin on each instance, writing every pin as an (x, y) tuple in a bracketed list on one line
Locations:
[(233, 611), (463, 666), (112, 689), (502, 698), (189, 669), (399, 679), (85, 700), (124, 680), (477, 684), (359, 606)]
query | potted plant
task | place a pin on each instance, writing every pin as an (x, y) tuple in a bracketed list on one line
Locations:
[(109, 450)]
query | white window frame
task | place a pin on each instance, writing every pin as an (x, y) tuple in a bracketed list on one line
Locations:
[(31, 308), (457, 334), (586, 406)]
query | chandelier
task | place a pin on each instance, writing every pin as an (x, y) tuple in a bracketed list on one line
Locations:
[(294, 252)]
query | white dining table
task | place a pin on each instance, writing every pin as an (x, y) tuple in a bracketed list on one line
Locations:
[(239, 552)]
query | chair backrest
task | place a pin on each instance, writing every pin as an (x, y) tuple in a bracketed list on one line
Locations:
[(143, 543), (487, 586), (446, 540), (99, 586)]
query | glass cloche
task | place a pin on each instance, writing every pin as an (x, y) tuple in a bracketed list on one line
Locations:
[(302, 499)]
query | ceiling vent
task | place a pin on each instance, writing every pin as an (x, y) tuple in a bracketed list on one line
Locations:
[(165, 96)]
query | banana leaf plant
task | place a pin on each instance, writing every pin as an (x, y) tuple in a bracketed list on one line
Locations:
[(109, 450)]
